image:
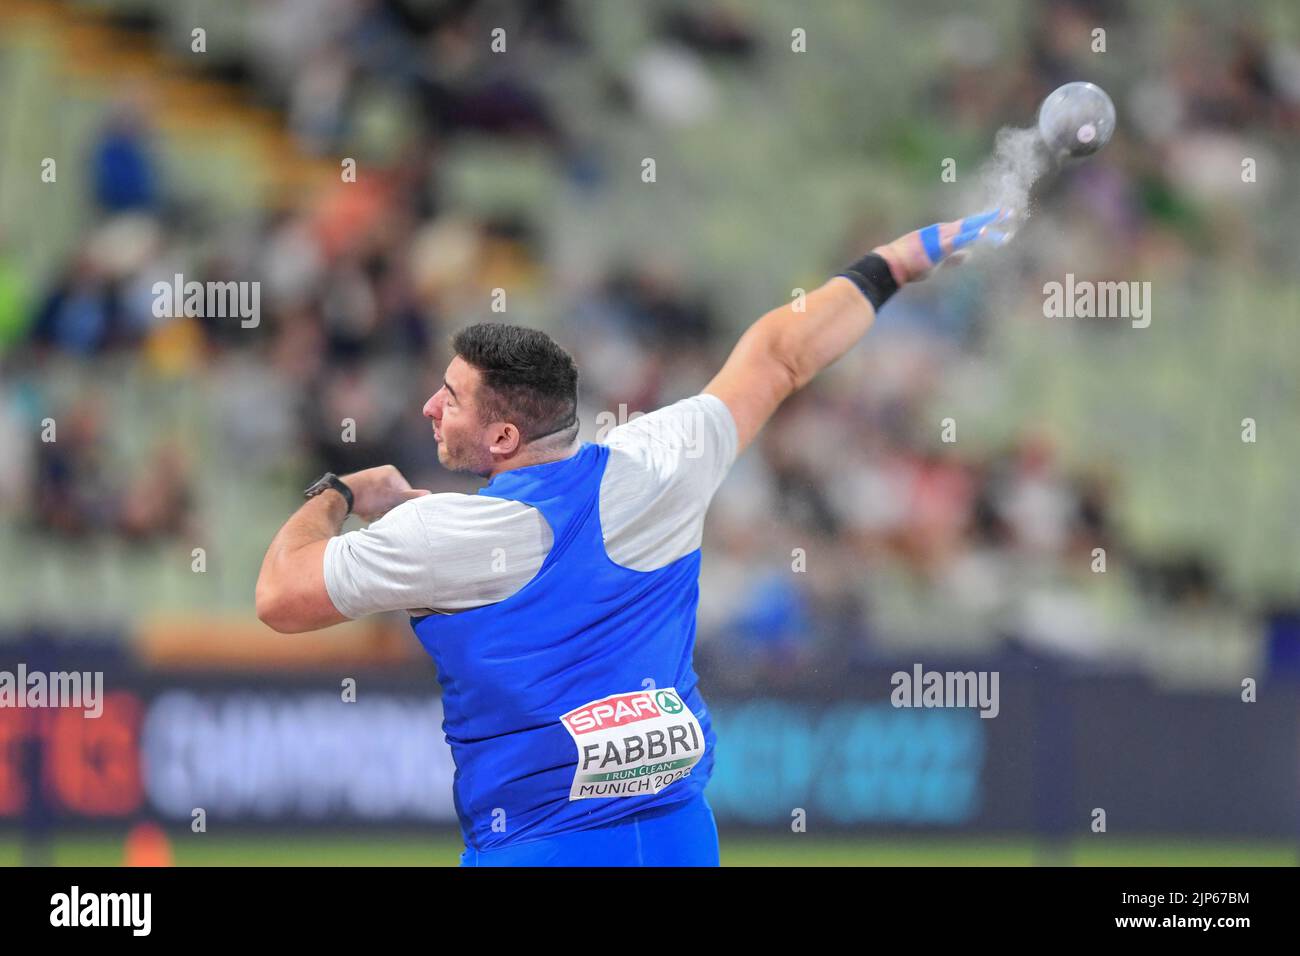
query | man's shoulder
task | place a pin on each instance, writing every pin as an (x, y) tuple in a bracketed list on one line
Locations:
[(694, 437), (453, 510), (663, 471), (456, 501), (681, 425)]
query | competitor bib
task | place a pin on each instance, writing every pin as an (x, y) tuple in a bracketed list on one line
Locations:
[(631, 744)]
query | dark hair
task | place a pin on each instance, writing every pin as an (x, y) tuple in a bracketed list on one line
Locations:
[(528, 379)]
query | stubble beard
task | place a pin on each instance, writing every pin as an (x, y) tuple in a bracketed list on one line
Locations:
[(452, 460)]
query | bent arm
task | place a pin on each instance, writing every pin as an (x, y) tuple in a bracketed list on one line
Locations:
[(291, 594)]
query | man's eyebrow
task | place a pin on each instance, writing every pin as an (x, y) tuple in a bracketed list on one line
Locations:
[(450, 389)]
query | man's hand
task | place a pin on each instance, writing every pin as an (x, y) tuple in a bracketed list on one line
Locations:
[(913, 256), (377, 491)]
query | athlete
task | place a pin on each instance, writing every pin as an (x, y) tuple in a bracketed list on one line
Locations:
[(559, 601)]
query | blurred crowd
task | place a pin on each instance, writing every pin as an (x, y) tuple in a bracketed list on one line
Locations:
[(848, 529)]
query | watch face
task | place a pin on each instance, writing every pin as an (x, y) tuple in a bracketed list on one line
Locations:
[(317, 487)]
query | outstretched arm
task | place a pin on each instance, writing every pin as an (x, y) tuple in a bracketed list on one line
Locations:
[(784, 350)]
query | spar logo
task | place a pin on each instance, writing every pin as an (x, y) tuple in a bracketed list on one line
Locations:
[(619, 709), (668, 703)]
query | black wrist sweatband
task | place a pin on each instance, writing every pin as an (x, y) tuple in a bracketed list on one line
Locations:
[(871, 274)]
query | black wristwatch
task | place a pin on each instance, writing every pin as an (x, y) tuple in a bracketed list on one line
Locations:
[(326, 481)]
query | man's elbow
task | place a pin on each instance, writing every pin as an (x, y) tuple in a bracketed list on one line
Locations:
[(786, 362), (275, 611), (795, 375), (789, 370)]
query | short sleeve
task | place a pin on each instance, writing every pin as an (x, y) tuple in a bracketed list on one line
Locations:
[(386, 566), (664, 470), (447, 552), (697, 434)]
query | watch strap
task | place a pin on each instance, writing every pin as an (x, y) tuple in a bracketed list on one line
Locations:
[(331, 480)]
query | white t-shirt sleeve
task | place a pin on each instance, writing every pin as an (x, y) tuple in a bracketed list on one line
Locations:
[(439, 552), (663, 471)]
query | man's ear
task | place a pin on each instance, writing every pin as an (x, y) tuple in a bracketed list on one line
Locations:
[(506, 439)]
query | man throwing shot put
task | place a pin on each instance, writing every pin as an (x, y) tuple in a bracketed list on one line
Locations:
[(559, 602)]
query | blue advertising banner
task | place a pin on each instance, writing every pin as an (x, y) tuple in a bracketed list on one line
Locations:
[(902, 755)]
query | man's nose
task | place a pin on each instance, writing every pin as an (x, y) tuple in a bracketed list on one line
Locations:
[(431, 406)]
